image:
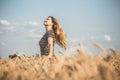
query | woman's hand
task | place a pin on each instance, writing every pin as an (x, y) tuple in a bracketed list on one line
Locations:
[(49, 56)]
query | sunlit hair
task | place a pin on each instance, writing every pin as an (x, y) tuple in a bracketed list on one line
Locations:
[(59, 33)]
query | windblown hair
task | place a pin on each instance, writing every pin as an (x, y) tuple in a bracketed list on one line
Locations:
[(59, 33)]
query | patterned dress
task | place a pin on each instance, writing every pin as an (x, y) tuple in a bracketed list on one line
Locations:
[(44, 46)]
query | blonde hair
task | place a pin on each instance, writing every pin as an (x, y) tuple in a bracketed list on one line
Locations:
[(59, 33)]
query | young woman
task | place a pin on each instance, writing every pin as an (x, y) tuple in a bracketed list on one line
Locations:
[(54, 33)]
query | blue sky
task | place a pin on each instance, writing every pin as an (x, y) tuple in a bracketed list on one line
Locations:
[(84, 21)]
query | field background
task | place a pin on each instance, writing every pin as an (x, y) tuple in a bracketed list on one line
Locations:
[(83, 21), (105, 66)]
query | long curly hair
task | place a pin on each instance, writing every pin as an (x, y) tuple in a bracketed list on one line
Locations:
[(59, 33)]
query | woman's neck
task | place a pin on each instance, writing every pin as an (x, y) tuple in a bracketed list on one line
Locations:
[(48, 28)]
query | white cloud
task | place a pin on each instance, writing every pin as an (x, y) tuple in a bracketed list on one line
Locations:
[(33, 33), (92, 37), (3, 44), (4, 22), (107, 37), (33, 23), (7, 26), (11, 28)]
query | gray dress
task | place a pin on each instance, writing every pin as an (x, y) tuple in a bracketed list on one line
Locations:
[(44, 46)]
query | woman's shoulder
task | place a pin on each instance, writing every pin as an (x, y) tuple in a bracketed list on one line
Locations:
[(50, 33)]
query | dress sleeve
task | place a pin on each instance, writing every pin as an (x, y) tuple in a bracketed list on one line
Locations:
[(50, 34)]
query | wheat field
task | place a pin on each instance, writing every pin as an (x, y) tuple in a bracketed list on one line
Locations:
[(77, 67)]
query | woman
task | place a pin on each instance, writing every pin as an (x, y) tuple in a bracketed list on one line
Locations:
[(54, 33)]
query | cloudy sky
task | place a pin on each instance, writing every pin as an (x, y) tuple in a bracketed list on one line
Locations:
[(84, 21)]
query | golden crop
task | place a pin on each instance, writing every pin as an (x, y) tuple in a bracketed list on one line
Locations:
[(76, 67)]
